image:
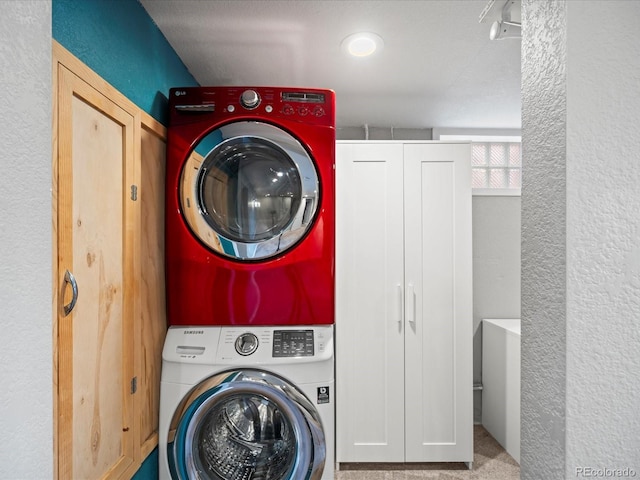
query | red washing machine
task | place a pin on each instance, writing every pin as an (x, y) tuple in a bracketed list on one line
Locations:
[(250, 207)]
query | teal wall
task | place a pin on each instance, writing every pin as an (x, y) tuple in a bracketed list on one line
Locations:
[(149, 469), (118, 40), (121, 43)]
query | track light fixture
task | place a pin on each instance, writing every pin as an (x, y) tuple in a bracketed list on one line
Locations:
[(501, 29), (507, 19)]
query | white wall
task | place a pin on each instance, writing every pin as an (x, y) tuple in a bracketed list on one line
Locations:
[(603, 235), (581, 239), (543, 363), (26, 449), (496, 271)]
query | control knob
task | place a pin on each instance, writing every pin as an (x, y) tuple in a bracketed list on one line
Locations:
[(246, 344), (250, 99)]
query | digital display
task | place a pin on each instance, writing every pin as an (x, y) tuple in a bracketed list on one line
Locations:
[(303, 97), (293, 343)]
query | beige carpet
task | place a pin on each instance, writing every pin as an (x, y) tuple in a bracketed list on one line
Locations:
[(490, 462)]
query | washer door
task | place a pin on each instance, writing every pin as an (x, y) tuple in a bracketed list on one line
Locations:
[(244, 425), (249, 190)]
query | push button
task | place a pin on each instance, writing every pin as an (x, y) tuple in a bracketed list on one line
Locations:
[(288, 110)]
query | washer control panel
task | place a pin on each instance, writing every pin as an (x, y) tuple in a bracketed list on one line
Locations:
[(293, 343), (240, 346)]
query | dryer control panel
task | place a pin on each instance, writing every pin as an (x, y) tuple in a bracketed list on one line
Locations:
[(311, 105)]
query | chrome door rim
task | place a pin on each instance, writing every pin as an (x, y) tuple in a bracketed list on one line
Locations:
[(203, 222), (308, 431)]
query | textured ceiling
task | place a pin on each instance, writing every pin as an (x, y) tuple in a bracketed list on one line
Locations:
[(438, 67)]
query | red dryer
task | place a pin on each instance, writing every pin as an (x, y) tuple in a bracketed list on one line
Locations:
[(250, 207)]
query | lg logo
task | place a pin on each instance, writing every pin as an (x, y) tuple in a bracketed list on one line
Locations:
[(180, 92)]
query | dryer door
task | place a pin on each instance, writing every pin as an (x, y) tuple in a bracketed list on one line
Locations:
[(249, 190), (244, 425)]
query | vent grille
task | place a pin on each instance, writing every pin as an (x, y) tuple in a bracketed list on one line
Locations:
[(302, 97)]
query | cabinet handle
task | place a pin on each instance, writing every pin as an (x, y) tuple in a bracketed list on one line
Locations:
[(400, 305), (70, 279), (411, 297)]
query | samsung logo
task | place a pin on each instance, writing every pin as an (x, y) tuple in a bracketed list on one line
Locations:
[(194, 332)]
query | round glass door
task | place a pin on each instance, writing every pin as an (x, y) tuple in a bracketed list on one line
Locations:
[(243, 426), (249, 190)]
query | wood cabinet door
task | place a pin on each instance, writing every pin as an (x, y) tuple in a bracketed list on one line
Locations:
[(95, 145), (153, 319), (369, 306), (438, 335)]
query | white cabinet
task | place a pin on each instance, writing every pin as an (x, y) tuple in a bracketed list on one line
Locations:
[(403, 302), (501, 382)]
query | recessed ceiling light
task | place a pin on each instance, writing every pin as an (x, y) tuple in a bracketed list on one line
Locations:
[(362, 44)]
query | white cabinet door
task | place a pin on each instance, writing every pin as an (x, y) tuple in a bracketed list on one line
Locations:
[(369, 303), (438, 337), (403, 302)]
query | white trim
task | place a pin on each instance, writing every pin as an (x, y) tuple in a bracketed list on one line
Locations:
[(496, 192), (483, 138), (467, 133)]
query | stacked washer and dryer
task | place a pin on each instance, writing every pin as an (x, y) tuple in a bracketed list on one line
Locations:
[(247, 388)]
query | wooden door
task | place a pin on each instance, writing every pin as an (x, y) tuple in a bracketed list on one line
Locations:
[(153, 320), (369, 305), (438, 336), (95, 145)]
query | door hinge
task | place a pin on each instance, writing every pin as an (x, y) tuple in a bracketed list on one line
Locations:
[(134, 385), (134, 192)]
